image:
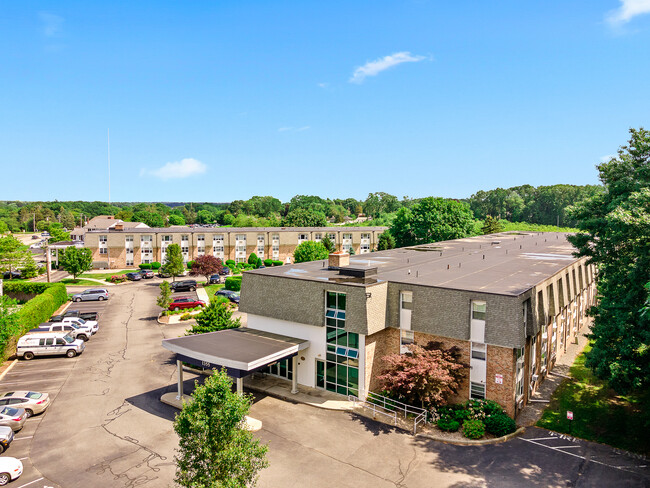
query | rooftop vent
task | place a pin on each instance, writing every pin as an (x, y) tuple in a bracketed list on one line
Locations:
[(358, 272), (339, 259)]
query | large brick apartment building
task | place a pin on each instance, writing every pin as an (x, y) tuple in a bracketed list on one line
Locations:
[(122, 247), (511, 302)]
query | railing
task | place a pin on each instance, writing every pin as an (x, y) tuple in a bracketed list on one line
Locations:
[(390, 408)]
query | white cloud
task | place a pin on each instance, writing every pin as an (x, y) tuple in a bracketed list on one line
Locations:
[(607, 157), (303, 128), (178, 169), (373, 68), (627, 10), (52, 24), (323, 85)]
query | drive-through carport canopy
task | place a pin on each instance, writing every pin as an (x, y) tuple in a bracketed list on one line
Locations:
[(241, 351)]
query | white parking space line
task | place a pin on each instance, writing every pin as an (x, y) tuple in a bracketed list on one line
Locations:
[(21, 438), (39, 371), (31, 482), (575, 455), (25, 381), (541, 438), (566, 447)]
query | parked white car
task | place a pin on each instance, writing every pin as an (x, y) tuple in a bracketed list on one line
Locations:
[(32, 401), (10, 469), (48, 343), (90, 325)]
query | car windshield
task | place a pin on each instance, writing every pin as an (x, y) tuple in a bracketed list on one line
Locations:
[(81, 321), (12, 412), (67, 338), (72, 324), (33, 395)]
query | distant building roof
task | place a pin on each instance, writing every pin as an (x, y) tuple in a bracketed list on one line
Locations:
[(104, 222), (181, 228)]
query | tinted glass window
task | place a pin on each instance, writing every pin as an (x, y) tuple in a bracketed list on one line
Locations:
[(49, 342), (3, 402), (9, 393), (41, 342), (60, 342), (12, 412), (34, 395)]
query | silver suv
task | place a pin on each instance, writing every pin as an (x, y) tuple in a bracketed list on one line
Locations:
[(92, 294)]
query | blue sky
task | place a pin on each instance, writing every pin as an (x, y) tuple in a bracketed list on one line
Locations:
[(215, 101)]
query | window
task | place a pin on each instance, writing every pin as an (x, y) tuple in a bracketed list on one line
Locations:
[(103, 250), (166, 239), (406, 334), (347, 237), (103, 239), (478, 310), (303, 237), (128, 239), (331, 237), (533, 355), (479, 351), (200, 238), (318, 237), (519, 386), (365, 248), (260, 239), (342, 358), (185, 249), (185, 238), (283, 369), (145, 239), (365, 237), (477, 390), (129, 262)]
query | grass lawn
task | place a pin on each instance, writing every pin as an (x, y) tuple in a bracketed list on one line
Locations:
[(212, 289), (79, 282), (599, 414), (103, 276)]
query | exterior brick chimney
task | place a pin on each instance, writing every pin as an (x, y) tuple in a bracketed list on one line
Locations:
[(339, 259)]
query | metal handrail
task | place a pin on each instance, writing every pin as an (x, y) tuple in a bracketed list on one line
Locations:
[(373, 400)]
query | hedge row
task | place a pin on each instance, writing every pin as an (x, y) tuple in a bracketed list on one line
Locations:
[(27, 287), (233, 283), (35, 311), (154, 265)]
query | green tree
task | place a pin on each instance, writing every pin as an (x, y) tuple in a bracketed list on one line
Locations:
[(252, 259), (76, 260), (385, 241), (216, 316), (327, 242), (491, 225), (173, 261), (165, 297), (432, 220), (176, 220), (215, 449), (615, 236), (310, 251), (302, 217), (13, 254), (57, 234)]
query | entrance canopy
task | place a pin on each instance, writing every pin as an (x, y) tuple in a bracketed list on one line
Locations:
[(241, 351)]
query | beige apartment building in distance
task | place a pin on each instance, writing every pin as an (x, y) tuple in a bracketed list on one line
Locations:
[(121, 247)]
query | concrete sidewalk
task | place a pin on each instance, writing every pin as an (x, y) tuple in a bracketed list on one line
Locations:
[(532, 412)]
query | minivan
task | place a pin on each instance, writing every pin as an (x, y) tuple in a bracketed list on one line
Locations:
[(92, 294), (48, 343)]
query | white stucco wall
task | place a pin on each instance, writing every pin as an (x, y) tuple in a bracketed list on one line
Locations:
[(316, 350)]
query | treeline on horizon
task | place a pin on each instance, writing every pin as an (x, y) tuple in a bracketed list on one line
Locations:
[(543, 205)]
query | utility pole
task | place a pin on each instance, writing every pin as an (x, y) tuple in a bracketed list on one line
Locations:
[(48, 260), (109, 166), (34, 222)]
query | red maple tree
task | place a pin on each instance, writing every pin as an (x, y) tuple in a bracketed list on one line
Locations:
[(206, 266)]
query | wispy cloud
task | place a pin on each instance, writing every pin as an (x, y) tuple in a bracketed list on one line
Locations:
[(627, 11), (178, 169), (52, 24), (323, 85), (373, 68), (294, 129)]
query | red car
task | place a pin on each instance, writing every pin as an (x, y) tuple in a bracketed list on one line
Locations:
[(185, 302)]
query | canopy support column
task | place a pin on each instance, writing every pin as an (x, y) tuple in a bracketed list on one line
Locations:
[(179, 367), (294, 377), (240, 386)]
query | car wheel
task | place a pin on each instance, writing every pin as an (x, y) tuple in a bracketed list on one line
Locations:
[(4, 478), (176, 309), (82, 337), (29, 413), (77, 299), (192, 288), (71, 353), (101, 299), (2, 448), (28, 355)]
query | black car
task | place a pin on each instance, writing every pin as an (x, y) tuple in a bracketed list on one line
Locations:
[(185, 285), (146, 273), (215, 279), (164, 274), (76, 313), (224, 271), (11, 275), (233, 296), (134, 276)]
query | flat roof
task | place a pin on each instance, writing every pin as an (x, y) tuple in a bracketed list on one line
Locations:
[(186, 229), (243, 349), (508, 263)]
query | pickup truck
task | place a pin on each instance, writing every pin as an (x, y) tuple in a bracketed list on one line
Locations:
[(73, 330), (76, 313)]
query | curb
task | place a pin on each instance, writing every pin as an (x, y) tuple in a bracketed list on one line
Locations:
[(481, 442), (13, 363)]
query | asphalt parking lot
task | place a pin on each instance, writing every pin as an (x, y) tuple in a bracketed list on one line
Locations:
[(107, 428), (43, 374)]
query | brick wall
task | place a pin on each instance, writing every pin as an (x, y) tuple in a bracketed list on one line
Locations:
[(501, 360)]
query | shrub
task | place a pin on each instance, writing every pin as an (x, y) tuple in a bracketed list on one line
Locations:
[(27, 287), (277, 263), (252, 259), (186, 316), (145, 266), (117, 279), (448, 424), (268, 263), (481, 409), (155, 265), (473, 429), (190, 264), (233, 283), (231, 264), (500, 424)]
